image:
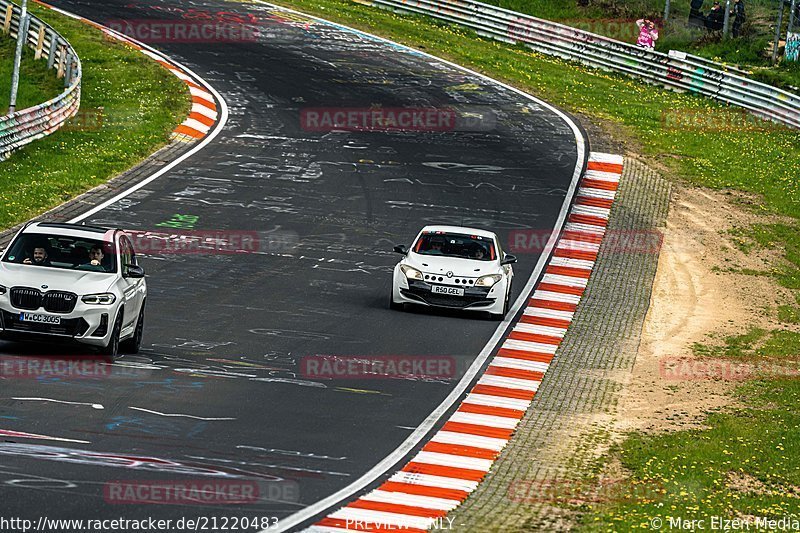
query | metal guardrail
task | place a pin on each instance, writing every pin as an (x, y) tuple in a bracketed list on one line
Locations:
[(27, 125), (709, 63), (550, 38)]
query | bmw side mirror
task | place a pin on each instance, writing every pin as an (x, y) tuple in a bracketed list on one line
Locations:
[(401, 249), (508, 259), (134, 271)]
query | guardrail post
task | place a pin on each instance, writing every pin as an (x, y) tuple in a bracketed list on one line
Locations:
[(40, 43), (62, 56), (727, 21), (777, 32), (68, 70), (7, 21), (21, 35), (51, 54)]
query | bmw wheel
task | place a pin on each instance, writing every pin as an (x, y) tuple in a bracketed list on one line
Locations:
[(133, 344), (112, 348)]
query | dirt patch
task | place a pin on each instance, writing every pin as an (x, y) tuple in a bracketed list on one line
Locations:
[(746, 484), (696, 299)]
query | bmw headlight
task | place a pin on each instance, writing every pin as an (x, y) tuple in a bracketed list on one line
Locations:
[(105, 298), (411, 272), (488, 281), (3, 289)]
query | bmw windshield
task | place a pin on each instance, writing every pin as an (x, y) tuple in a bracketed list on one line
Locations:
[(62, 251), (443, 244)]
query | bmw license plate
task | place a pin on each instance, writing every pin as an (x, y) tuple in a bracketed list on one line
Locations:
[(452, 291), (40, 319)]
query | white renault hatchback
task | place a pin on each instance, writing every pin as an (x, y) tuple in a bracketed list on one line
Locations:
[(454, 267), (66, 282)]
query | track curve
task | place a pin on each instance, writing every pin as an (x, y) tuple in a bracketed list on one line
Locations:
[(227, 333)]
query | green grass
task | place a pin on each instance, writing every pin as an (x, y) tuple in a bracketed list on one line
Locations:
[(37, 83), (789, 314), (757, 344), (784, 237), (747, 463), (733, 346), (139, 103)]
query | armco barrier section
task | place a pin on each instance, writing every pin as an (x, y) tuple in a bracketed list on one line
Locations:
[(27, 125), (676, 70)]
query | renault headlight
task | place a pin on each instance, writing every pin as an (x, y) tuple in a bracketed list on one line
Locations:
[(488, 281), (411, 272), (105, 298)]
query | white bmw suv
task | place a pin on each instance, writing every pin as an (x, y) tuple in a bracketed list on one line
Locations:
[(454, 267), (66, 282)]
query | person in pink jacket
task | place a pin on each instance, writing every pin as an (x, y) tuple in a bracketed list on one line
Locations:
[(648, 33)]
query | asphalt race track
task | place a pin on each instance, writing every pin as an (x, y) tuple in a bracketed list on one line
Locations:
[(220, 390)]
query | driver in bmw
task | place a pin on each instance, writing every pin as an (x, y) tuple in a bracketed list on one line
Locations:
[(40, 257)]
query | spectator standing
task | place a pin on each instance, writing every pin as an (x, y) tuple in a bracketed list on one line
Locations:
[(715, 18), (739, 17), (648, 34), (696, 13)]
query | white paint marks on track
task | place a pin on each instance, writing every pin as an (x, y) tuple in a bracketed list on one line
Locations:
[(92, 405), (24, 435), (172, 415), (450, 466)]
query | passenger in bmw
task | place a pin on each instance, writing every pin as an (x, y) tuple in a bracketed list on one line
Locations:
[(40, 257), (95, 259)]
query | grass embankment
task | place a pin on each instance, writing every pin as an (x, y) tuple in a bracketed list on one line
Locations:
[(129, 107), (37, 83), (616, 19), (755, 448)]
